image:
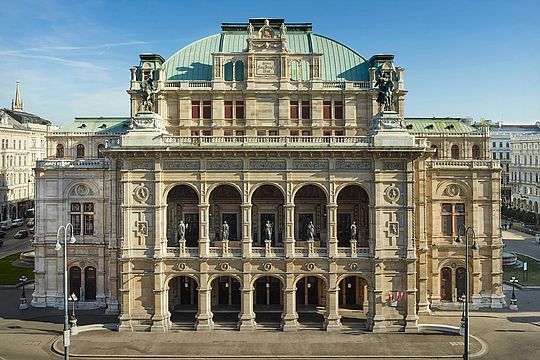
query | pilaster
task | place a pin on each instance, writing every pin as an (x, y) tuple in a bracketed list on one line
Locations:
[(204, 316), (289, 318), (332, 230), (289, 230), (332, 321), (204, 226), (246, 231), (247, 316)]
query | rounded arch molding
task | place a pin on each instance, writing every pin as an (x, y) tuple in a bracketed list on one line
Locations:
[(171, 186), (448, 188), (212, 186), (298, 186), (81, 189), (299, 277), (235, 276), (368, 278), (362, 186), (169, 277), (256, 277), (258, 185)]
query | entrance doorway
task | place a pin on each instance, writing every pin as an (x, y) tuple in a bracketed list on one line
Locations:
[(268, 301), (446, 284), (183, 300), (353, 301), (310, 301), (226, 300)]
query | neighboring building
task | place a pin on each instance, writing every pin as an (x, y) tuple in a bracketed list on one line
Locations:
[(268, 183), (500, 147), (525, 173), (22, 143)]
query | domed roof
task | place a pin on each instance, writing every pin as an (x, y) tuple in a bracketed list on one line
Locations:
[(194, 62)]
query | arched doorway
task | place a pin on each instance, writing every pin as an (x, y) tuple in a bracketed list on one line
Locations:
[(75, 281), (225, 207), (183, 205), (310, 301), (446, 284), (353, 206), (225, 301), (183, 301), (89, 283), (353, 301), (310, 206), (267, 203), (268, 301)]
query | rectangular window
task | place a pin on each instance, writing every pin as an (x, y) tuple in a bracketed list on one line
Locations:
[(338, 110), (261, 132), (194, 132), (294, 109), (207, 109), (76, 218), (228, 109), (272, 133), (453, 216), (305, 110), (327, 110), (207, 132), (239, 132), (88, 218), (195, 109), (294, 133), (240, 110), (306, 132), (327, 133)]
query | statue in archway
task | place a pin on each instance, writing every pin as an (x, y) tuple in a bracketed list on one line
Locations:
[(225, 231), (268, 230), (353, 230), (311, 231), (181, 232)]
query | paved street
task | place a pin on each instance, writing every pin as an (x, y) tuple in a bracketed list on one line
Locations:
[(520, 242), (13, 246), (29, 334)]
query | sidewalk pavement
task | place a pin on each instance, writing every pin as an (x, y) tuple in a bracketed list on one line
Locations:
[(521, 243)]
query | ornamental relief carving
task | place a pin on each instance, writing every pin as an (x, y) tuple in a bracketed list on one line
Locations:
[(142, 164), (394, 166), (267, 165), (310, 165), (181, 165), (392, 193), (81, 190), (453, 190), (224, 165), (141, 193), (352, 165)]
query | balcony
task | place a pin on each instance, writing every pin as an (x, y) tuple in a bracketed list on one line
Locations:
[(58, 164)]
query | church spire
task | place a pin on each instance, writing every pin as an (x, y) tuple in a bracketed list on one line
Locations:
[(17, 103)]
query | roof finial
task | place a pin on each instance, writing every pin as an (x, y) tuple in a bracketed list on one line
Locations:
[(17, 103)]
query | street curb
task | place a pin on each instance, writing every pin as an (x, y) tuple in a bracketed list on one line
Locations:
[(16, 285), (58, 349)]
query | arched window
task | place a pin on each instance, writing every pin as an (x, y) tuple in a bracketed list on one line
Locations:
[(80, 150), (239, 71), (436, 154), (90, 283), (100, 149), (75, 281), (228, 71), (454, 152), (59, 151), (476, 152)]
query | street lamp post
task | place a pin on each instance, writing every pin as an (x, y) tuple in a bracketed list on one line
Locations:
[(513, 299), (474, 246), (73, 319), (58, 247), (24, 304)]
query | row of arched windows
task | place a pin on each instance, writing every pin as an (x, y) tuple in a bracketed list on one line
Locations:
[(80, 151), (298, 70), (455, 154)]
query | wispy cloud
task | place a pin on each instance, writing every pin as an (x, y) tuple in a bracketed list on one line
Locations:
[(90, 47), (74, 63)]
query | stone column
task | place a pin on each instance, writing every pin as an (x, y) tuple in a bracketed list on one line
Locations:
[(332, 321), (289, 230), (332, 243), (411, 319), (246, 230), (204, 315), (204, 225), (378, 298), (160, 318), (289, 317), (247, 316)]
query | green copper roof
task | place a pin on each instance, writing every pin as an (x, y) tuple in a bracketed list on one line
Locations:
[(97, 125), (194, 62), (439, 125)]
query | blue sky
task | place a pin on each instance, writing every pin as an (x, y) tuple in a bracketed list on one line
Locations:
[(461, 58)]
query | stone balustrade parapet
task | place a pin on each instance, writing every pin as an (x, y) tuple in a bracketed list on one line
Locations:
[(292, 141), (241, 85), (465, 164), (97, 163)]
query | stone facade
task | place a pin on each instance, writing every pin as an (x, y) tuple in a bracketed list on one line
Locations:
[(525, 173), (257, 189)]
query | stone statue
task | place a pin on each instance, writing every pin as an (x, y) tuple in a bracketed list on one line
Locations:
[(353, 230), (250, 29), (147, 92), (225, 231), (282, 30), (385, 87), (181, 231), (268, 230), (311, 231)]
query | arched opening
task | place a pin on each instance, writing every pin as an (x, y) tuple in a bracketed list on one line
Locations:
[(310, 208), (228, 71), (182, 207), (225, 300), (454, 152), (59, 151), (353, 216), (225, 208), (460, 282), (89, 283), (80, 151), (268, 301), (353, 301), (239, 71), (75, 281), (310, 300), (476, 152), (100, 149), (267, 208), (436, 153), (446, 284), (183, 300)]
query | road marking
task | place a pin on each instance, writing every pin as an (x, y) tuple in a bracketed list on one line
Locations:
[(32, 343), (456, 343)]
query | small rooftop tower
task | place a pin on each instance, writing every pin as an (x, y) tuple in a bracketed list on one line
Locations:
[(17, 103)]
